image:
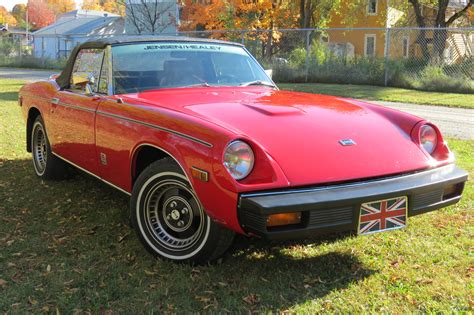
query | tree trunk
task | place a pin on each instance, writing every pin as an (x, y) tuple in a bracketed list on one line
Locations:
[(306, 12), (302, 13), (439, 36), (420, 21), (439, 44)]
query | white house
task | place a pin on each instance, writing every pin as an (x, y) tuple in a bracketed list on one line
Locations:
[(58, 39)]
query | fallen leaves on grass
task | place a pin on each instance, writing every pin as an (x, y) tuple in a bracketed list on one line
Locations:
[(32, 301), (252, 299)]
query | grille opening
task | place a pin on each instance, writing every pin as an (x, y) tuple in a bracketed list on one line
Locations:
[(452, 191)]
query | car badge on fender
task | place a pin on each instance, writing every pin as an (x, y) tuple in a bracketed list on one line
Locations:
[(347, 142)]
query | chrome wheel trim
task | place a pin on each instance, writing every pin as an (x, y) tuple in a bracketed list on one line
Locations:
[(177, 213), (39, 148), (172, 245)]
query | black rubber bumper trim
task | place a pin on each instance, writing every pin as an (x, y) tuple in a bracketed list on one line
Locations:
[(335, 208)]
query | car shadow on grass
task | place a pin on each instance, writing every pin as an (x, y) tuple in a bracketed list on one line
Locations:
[(8, 96), (79, 227)]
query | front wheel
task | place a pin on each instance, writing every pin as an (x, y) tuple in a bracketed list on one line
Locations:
[(46, 165), (169, 219)]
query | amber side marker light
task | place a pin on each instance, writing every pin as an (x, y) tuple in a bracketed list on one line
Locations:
[(280, 219), (200, 174)]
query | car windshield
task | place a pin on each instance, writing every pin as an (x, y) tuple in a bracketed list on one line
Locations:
[(146, 66)]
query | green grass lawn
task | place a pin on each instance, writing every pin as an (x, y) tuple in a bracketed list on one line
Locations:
[(380, 93), (67, 247)]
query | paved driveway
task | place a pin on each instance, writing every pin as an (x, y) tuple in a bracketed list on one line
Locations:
[(26, 74), (453, 122)]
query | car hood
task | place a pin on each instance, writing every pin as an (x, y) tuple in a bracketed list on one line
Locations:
[(304, 133)]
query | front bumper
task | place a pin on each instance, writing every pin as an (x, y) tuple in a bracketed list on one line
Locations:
[(335, 208)]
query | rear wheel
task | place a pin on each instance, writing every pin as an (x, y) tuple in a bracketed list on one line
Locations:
[(46, 165), (169, 219)]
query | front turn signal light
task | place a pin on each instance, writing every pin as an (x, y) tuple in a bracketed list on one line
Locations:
[(280, 219)]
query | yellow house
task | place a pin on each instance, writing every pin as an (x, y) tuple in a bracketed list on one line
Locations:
[(366, 42), (369, 35)]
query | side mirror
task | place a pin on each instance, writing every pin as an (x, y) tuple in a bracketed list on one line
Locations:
[(269, 72)]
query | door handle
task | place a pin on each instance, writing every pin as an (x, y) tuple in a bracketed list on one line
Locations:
[(54, 104)]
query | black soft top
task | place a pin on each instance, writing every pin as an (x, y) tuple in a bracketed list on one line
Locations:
[(63, 79)]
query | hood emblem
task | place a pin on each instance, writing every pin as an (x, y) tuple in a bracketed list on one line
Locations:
[(347, 142)]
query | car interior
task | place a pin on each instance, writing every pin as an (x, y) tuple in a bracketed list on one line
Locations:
[(180, 69)]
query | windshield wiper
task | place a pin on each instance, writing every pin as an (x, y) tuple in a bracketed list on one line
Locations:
[(258, 82), (198, 84)]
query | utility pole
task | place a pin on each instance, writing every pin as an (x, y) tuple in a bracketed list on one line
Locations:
[(27, 24)]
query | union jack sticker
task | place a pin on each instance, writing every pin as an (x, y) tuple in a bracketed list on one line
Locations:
[(383, 215)]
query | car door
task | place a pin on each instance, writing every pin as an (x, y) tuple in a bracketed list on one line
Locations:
[(73, 112)]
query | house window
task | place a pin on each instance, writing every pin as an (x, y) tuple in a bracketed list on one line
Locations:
[(406, 46), (372, 7), (369, 47)]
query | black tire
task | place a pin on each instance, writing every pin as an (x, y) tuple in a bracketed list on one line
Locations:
[(169, 219), (46, 165)]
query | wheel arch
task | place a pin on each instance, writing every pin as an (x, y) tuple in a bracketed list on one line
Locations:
[(146, 153), (33, 113)]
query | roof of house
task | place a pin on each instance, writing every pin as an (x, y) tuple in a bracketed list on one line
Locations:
[(16, 30), (85, 13), (71, 24)]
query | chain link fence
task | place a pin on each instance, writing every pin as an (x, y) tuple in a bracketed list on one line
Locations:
[(16, 52), (435, 59)]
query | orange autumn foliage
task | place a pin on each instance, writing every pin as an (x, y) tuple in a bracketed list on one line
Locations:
[(112, 6), (239, 14), (61, 6), (6, 17)]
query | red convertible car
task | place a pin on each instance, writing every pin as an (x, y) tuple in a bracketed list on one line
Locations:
[(207, 146)]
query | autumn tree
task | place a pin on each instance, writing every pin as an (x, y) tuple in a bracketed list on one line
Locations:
[(112, 6), (6, 17), (442, 19), (19, 13), (150, 16), (40, 14), (61, 6), (254, 15), (91, 5), (317, 13)]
